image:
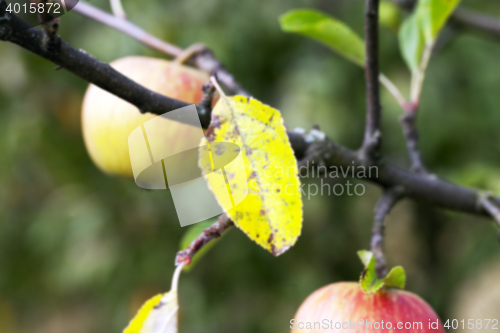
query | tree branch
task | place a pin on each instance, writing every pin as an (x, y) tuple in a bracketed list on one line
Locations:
[(370, 150), (92, 70), (50, 26), (431, 190), (214, 231), (419, 187), (390, 197), (204, 59)]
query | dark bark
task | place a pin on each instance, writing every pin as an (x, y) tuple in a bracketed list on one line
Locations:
[(383, 208), (409, 124), (371, 143)]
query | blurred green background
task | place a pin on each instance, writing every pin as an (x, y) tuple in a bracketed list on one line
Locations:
[(80, 251)]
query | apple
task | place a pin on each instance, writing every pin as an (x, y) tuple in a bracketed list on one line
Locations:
[(107, 120), (372, 305), (345, 307), (390, 15)]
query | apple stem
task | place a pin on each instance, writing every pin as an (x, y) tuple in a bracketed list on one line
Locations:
[(390, 197)]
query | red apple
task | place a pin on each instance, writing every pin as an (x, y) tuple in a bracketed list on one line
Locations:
[(345, 307)]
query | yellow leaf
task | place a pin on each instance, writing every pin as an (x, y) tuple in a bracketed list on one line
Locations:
[(158, 314), (271, 213)]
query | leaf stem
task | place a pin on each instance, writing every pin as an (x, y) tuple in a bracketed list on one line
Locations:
[(409, 118), (391, 87), (175, 277), (419, 76)]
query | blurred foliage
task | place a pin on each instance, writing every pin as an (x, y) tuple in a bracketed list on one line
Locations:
[(80, 251)]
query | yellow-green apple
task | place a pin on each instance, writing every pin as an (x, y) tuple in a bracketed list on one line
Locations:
[(107, 120), (390, 15)]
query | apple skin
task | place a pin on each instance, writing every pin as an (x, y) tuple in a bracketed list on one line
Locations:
[(346, 301), (107, 120)]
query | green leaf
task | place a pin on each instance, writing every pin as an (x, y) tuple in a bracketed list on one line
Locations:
[(396, 278), (191, 234), (369, 281), (411, 41), (422, 28), (434, 14), (365, 256), (327, 30)]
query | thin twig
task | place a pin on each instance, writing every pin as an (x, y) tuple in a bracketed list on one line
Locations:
[(409, 118), (127, 28), (409, 124), (214, 231), (117, 9), (204, 59), (371, 143), (390, 197)]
